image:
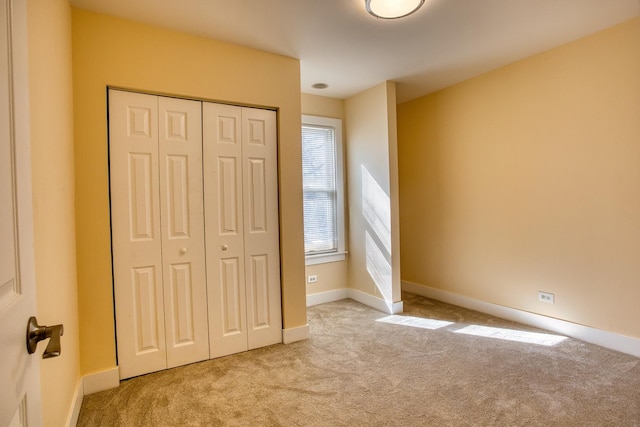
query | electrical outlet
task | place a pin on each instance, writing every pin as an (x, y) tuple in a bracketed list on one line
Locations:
[(312, 279), (546, 297)]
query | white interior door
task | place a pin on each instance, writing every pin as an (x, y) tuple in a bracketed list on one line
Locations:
[(182, 218), (242, 238), (136, 232), (177, 165), (261, 234), (222, 147), (158, 231), (19, 372)]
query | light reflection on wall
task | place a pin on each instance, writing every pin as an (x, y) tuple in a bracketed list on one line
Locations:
[(378, 267), (376, 209)]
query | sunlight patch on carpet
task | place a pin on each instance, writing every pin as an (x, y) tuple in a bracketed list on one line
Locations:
[(416, 322), (512, 335)]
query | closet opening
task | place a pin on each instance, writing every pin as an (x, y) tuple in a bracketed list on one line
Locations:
[(195, 233)]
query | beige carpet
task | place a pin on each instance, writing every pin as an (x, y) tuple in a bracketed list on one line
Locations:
[(358, 371)]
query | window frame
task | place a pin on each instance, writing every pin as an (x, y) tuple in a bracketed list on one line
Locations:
[(336, 125)]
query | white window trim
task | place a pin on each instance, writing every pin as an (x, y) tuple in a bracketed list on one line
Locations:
[(325, 258), (340, 254)]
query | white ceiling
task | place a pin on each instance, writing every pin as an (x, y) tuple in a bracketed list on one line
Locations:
[(340, 44)]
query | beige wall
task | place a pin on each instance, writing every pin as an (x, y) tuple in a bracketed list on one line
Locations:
[(51, 109), (332, 275), (528, 178), (109, 51), (371, 148), (322, 106)]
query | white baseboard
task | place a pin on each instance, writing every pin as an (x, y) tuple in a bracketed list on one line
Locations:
[(388, 307), (328, 296), (356, 295), (99, 381), (76, 404), (613, 341), (295, 334), (88, 384)]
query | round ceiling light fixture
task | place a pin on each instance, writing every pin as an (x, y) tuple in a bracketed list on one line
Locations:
[(319, 85), (392, 9)]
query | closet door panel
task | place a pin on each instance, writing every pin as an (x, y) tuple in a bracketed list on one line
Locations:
[(261, 236), (222, 148), (136, 232), (182, 220)]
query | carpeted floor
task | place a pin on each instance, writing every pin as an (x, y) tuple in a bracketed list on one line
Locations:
[(356, 370)]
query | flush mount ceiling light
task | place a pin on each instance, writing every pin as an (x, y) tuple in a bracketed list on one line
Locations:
[(392, 9)]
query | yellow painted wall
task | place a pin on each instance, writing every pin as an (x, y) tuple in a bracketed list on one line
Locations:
[(332, 275), (371, 146), (527, 178), (51, 114), (322, 106), (110, 51)]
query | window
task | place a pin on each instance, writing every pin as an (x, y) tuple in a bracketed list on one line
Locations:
[(322, 181)]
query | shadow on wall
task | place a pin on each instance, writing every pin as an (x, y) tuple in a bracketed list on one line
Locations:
[(376, 209)]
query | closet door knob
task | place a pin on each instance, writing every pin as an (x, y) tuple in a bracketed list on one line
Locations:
[(183, 251), (224, 247)]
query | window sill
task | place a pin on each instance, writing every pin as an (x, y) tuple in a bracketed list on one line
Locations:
[(325, 258)]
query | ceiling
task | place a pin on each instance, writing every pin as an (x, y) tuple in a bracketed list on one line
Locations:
[(340, 44)]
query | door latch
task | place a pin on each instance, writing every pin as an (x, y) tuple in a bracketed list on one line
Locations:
[(37, 333)]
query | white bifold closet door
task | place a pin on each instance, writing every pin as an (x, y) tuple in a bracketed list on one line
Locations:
[(242, 238), (157, 231)]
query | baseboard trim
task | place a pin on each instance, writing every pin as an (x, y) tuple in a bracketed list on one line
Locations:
[(388, 307), (76, 404), (328, 296), (356, 295), (100, 381), (613, 341), (299, 333)]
